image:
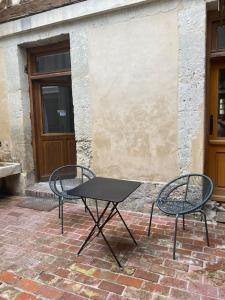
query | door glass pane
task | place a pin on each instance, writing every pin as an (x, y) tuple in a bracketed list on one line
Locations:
[(57, 109), (53, 62), (221, 104), (221, 37)]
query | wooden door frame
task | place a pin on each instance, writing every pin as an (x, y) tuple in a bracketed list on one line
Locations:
[(34, 76), (213, 55)]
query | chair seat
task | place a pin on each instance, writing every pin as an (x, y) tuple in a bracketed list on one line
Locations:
[(173, 207)]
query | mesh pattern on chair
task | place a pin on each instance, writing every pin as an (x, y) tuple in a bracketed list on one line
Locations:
[(185, 194), (68, 177)]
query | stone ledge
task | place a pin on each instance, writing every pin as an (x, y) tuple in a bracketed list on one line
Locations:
[(66, 13), (8, 169)]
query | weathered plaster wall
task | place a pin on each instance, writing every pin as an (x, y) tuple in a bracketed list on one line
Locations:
[(133, 81), (138, 84)]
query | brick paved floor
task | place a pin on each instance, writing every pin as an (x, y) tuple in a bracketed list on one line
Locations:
[(37, 262)]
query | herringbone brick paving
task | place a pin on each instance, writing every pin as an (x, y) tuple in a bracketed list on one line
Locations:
[(37, 262)]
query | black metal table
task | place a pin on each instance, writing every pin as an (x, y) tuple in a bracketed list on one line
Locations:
[(112, 191)]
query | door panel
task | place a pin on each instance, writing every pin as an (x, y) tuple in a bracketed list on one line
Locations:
[(54, 126), (220, 167), (51, 161), (216, 136)]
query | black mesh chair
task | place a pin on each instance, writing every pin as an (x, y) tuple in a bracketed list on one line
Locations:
[(66, 178), (184, 195)]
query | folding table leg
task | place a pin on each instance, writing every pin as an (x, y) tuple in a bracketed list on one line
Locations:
[(110, 248), (94, 227), (126, 226), (100, 228)]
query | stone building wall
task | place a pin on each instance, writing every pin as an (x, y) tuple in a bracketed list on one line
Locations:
[(138, 80), (14, 9)]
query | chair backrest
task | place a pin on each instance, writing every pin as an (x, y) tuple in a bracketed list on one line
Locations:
[(194, 190), (68, 177)]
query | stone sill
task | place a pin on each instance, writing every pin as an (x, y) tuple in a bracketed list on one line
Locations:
[(8, 168)]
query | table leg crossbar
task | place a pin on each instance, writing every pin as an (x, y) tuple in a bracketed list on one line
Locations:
[(97, 221)]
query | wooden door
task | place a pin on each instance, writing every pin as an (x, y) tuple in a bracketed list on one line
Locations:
[(216, 137), (55, 142), (51, 108)]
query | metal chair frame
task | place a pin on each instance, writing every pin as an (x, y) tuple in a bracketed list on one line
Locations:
[(62, 194), (197, 208)]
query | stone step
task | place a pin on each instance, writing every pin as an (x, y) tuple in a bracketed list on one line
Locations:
[(40, 190)]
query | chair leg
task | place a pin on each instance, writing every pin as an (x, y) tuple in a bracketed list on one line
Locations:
[(59, 207), (96, 204), (62, 215), (150, 221), (201, 213), (175, 237), (206, 226), (183, 223), (85, 209)]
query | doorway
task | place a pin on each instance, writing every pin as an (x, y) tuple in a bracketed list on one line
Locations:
[(216, 138), (51, 108)]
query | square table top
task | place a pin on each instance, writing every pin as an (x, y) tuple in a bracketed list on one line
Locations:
[(106, 189)]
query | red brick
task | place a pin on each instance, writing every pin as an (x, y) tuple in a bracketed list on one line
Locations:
[(25, 296), (162, 270), (82, 278), (130, 281), (216, 252), (202, 289), (133, 293), (69, 296), (9, 277), (62, 272), (183, 295), (99, 263), (173, 282), (146, 275), (116, 297), (111, 287), (156, 288), (93, 293), (28, 285), (50, 292), (71, 278), (103, 274), (47, 278), (204, 256), (176, 265), (152, 259), (222, 293), (183, 251)]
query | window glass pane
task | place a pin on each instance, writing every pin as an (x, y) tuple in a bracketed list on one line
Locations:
[(221, 37), (53, 62), (221, 105), (57, 109)]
